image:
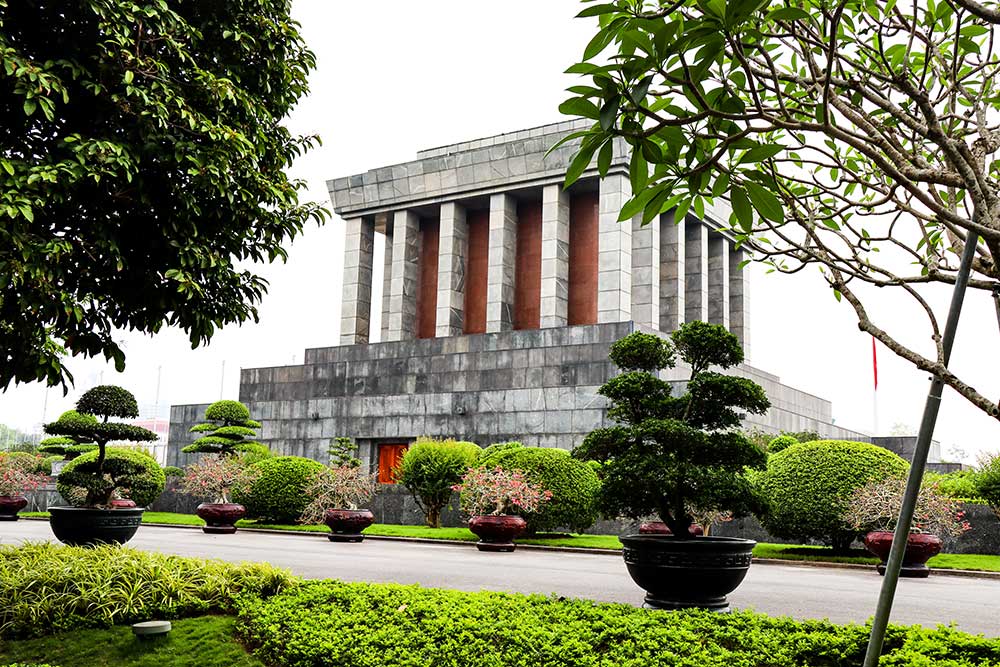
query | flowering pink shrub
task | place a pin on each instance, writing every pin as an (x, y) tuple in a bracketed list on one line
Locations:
[(213, 477), (497, 491), (337, 487), (876, 505), (18, 475)]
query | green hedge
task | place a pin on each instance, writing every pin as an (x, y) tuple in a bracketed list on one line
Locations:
[(277, 495), (806, 487), (45, 588), (333, 623), (574, 484)]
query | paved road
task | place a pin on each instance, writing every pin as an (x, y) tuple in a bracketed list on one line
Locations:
[(839, 595)]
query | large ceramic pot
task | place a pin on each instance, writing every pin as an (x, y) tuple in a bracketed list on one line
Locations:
[(678, 573), (86, 526), (220, 518), (346, 525), (919, 549), (496, 532), (10, 506)]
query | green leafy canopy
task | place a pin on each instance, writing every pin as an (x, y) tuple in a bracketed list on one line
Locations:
[(142, 161)]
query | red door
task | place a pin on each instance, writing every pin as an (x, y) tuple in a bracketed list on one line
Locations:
[(390, 457)]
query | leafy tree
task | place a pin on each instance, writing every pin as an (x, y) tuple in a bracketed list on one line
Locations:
[(101, 472), (676, 455), (228, 430), (342, 452), (429, 470), (858, 137), (141, 162), (69, 446)]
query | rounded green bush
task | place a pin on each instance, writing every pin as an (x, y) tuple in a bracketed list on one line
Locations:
[(781, 442), (987, 481), (136, 474), (807, 486), (108, 401), (574, 485), (227, 411), (32, 463), (430, 468), (173, 471), (277, 494), (490, 452)]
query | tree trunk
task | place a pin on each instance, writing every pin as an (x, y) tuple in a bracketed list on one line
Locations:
[(433, 517)]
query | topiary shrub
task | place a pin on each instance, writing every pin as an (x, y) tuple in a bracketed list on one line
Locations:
[(173, 471), (103, 402), (430, 468), (574, 485), (277, 493), (227, 430), (807, 488), (485, 457), (135, 475), (781, 442), (70, 446)]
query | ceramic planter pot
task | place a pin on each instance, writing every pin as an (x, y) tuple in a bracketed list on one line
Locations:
[(679, 573), (660, 528), (10, 506), (919, 549), (497, 532), (122, 503), (346, 525), (220, 518), (86, 526)]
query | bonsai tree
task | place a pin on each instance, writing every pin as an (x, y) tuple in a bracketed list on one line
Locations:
[(342, 453), (104, 470), (213, 477), (430, 468), (495, 492), (69, 446), (228, 429), (676, 456), (337, 487), (876, 506)]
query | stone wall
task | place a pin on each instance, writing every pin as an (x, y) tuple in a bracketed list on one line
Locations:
[(536, 386)]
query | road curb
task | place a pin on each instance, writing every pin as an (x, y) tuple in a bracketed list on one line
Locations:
[(936, 572)]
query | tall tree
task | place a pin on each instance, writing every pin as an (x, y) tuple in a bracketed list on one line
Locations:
[(142, 161), (858, 136)]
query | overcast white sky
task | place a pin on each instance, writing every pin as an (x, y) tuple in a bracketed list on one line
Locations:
[(395, 77)]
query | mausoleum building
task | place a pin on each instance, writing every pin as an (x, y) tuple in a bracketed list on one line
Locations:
[(501, 292)]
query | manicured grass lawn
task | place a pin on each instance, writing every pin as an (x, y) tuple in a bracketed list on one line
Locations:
[(983, 563), (207, 640)]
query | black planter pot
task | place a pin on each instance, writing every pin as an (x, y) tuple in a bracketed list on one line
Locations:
[(86, 526), (679, 573)]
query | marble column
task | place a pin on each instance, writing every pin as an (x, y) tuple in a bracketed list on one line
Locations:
[(695, 270), (718, 279), (555, 256), (614, 251), (646, 272), (356, 297), (739, 298), (500, 271), (452, 251), (386, 276), (673, 276), (403, 290)]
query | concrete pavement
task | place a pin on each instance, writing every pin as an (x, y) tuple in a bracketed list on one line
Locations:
[(841, 596)]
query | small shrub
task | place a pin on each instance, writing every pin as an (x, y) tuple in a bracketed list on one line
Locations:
[(342, 453), (876, 506), (960, 484), (337, 487), (173, 471), (130, 473), (383, 625), (430, 468), (228, 430), (45, 588), (988, 481), (19, 474), (213, 477), (277, 494), (807, 487), (574, 486), (495, 491), (781, 442)]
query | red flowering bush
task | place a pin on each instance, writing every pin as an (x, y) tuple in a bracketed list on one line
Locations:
[(337, 487), (214, 476), (19, 474), (876, 506), (495, 491)]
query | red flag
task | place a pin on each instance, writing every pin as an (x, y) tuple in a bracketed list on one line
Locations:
[(874, 363)]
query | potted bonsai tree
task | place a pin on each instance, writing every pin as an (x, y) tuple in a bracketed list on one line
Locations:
[(227, 430), (875, 508), (677, 457), (18, 475), (91, 480), (489, 496), (69, 446), (337, 493), (212, 478)]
